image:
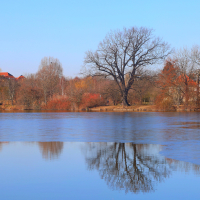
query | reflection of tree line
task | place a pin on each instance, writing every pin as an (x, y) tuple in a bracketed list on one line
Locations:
[(127, 166), (50, 150), (1, 144), (183, 166)]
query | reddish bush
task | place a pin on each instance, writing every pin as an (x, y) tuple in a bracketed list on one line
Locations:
[(92, 100), (58, 104)]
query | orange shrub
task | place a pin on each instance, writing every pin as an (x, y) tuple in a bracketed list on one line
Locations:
[(90, 100), (58, 104)]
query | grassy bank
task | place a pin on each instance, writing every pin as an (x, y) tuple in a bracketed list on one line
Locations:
[(140, 108), (136, 108)]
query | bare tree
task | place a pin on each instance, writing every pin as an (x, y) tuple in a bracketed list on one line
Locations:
[(12, 85), (187, 68), (140, 90), (29, 93), (111, 92), (49, 74), (195, 55), (124, 52)]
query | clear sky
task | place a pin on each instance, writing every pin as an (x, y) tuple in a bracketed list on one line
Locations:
[(66, 29)]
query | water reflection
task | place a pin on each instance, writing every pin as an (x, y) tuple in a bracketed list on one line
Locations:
[(51, 150), (190, 125), (175, 130), (1, 144), (127, 166), (132, 167), (183, 166)]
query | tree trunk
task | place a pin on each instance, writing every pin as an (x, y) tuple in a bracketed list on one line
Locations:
[(124, 99)]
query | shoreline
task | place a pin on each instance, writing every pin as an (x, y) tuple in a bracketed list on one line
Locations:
[(139, 108), (136, 108)]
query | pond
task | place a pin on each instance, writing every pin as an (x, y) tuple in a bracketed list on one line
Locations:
[(100, 155)]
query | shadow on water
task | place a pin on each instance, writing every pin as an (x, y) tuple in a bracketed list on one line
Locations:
[(189, 125)]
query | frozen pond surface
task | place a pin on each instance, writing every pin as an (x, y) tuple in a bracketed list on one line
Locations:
[(66, 155)]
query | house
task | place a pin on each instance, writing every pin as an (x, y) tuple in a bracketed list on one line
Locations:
[(20, 77), (6, 75), (10, 76)]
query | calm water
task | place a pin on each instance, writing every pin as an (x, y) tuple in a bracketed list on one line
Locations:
[(100, 155)]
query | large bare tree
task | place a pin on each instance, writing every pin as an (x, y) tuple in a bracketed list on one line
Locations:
[(124, 52)]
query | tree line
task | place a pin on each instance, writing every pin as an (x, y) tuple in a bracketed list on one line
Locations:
[(120, 72)]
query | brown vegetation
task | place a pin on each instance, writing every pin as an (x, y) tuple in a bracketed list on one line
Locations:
[(175, 87)]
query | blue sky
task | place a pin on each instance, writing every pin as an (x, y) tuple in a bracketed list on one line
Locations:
[(63, 29)]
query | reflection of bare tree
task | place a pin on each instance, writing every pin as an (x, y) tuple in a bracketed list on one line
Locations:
[(127, 166), (51, 150)]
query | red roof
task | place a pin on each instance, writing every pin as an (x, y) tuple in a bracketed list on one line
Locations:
[(8, 75), (20, 77)]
